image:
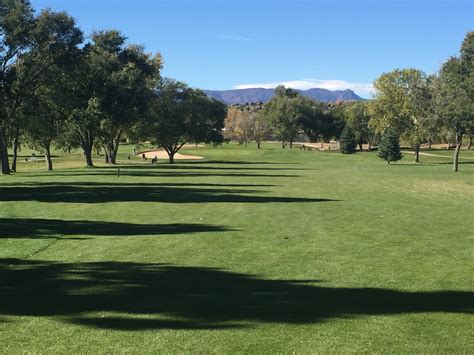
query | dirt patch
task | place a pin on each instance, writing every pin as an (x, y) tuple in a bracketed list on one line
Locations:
[(191, 146), (161, 154), (437, 155)]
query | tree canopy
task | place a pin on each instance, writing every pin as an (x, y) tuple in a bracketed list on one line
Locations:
[(454, 95), (180, 115), (403, 103)]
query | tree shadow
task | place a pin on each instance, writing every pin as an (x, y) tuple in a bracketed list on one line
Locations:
[(154, 172), (237, 162), (188, 166), (132, 296), (188, 169), (412, 164), (119, 183), (55, 228), (432, 163), (117, 192)]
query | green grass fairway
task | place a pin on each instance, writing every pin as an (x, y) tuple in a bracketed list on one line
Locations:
[(247, 251)]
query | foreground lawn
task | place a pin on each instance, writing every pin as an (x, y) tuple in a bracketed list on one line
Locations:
[(248, 250)]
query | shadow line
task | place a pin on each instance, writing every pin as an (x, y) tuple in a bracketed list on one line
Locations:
[(155, 172), (158, 296), (52, 228), (164, 194), (118, 184)]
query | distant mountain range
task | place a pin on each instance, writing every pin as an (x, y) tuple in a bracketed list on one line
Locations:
[(242, 96)]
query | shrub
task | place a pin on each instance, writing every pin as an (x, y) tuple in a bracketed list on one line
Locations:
[(389, 146), (348, 140)]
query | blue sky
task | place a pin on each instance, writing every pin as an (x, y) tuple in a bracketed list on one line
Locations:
[(225, 44)]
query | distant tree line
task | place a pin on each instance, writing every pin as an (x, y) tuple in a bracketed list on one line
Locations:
[(289, 115), (415, 107)]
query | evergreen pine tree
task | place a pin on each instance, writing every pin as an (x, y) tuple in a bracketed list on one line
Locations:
[(389, 146), (348, 140)]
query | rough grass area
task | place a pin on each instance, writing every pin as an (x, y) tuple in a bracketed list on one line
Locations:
[(258, 251)]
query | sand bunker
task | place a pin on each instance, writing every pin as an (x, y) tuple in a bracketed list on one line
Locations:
[(161, 154)]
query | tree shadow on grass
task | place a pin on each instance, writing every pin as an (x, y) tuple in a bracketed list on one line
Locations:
[(154, 172), (218, 162), (143, 184), (189, 169), (238, 162), (121, 193), (202, 167), (412, 164), (134, 296), (433, 163), (55, 228)]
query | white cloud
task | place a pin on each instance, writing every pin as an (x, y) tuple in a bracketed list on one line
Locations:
[(363, 89), (234, 37)]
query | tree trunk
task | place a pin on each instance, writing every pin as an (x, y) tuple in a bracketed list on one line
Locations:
[(108, 147), (4, 154), (291, 144), (113, 157), (371, 140), (456, 152), (258, 143), (88, 155), (283, 144), (111, 148), (15, 151), (429, 144), (360, 146), (417, 153), (469, 142), (47, 155), (115, 146), (171, 157)]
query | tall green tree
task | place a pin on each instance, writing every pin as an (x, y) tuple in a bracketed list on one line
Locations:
[(59, 39), (357, 117), (16, 21), (180, 115), (281, 116), (334, 120), (285, 113), (313, 123), (123, 80), (30, 46), (113, 85), (260, 128), (454, 95), (45, 127), (403, 102), (46, 111)]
